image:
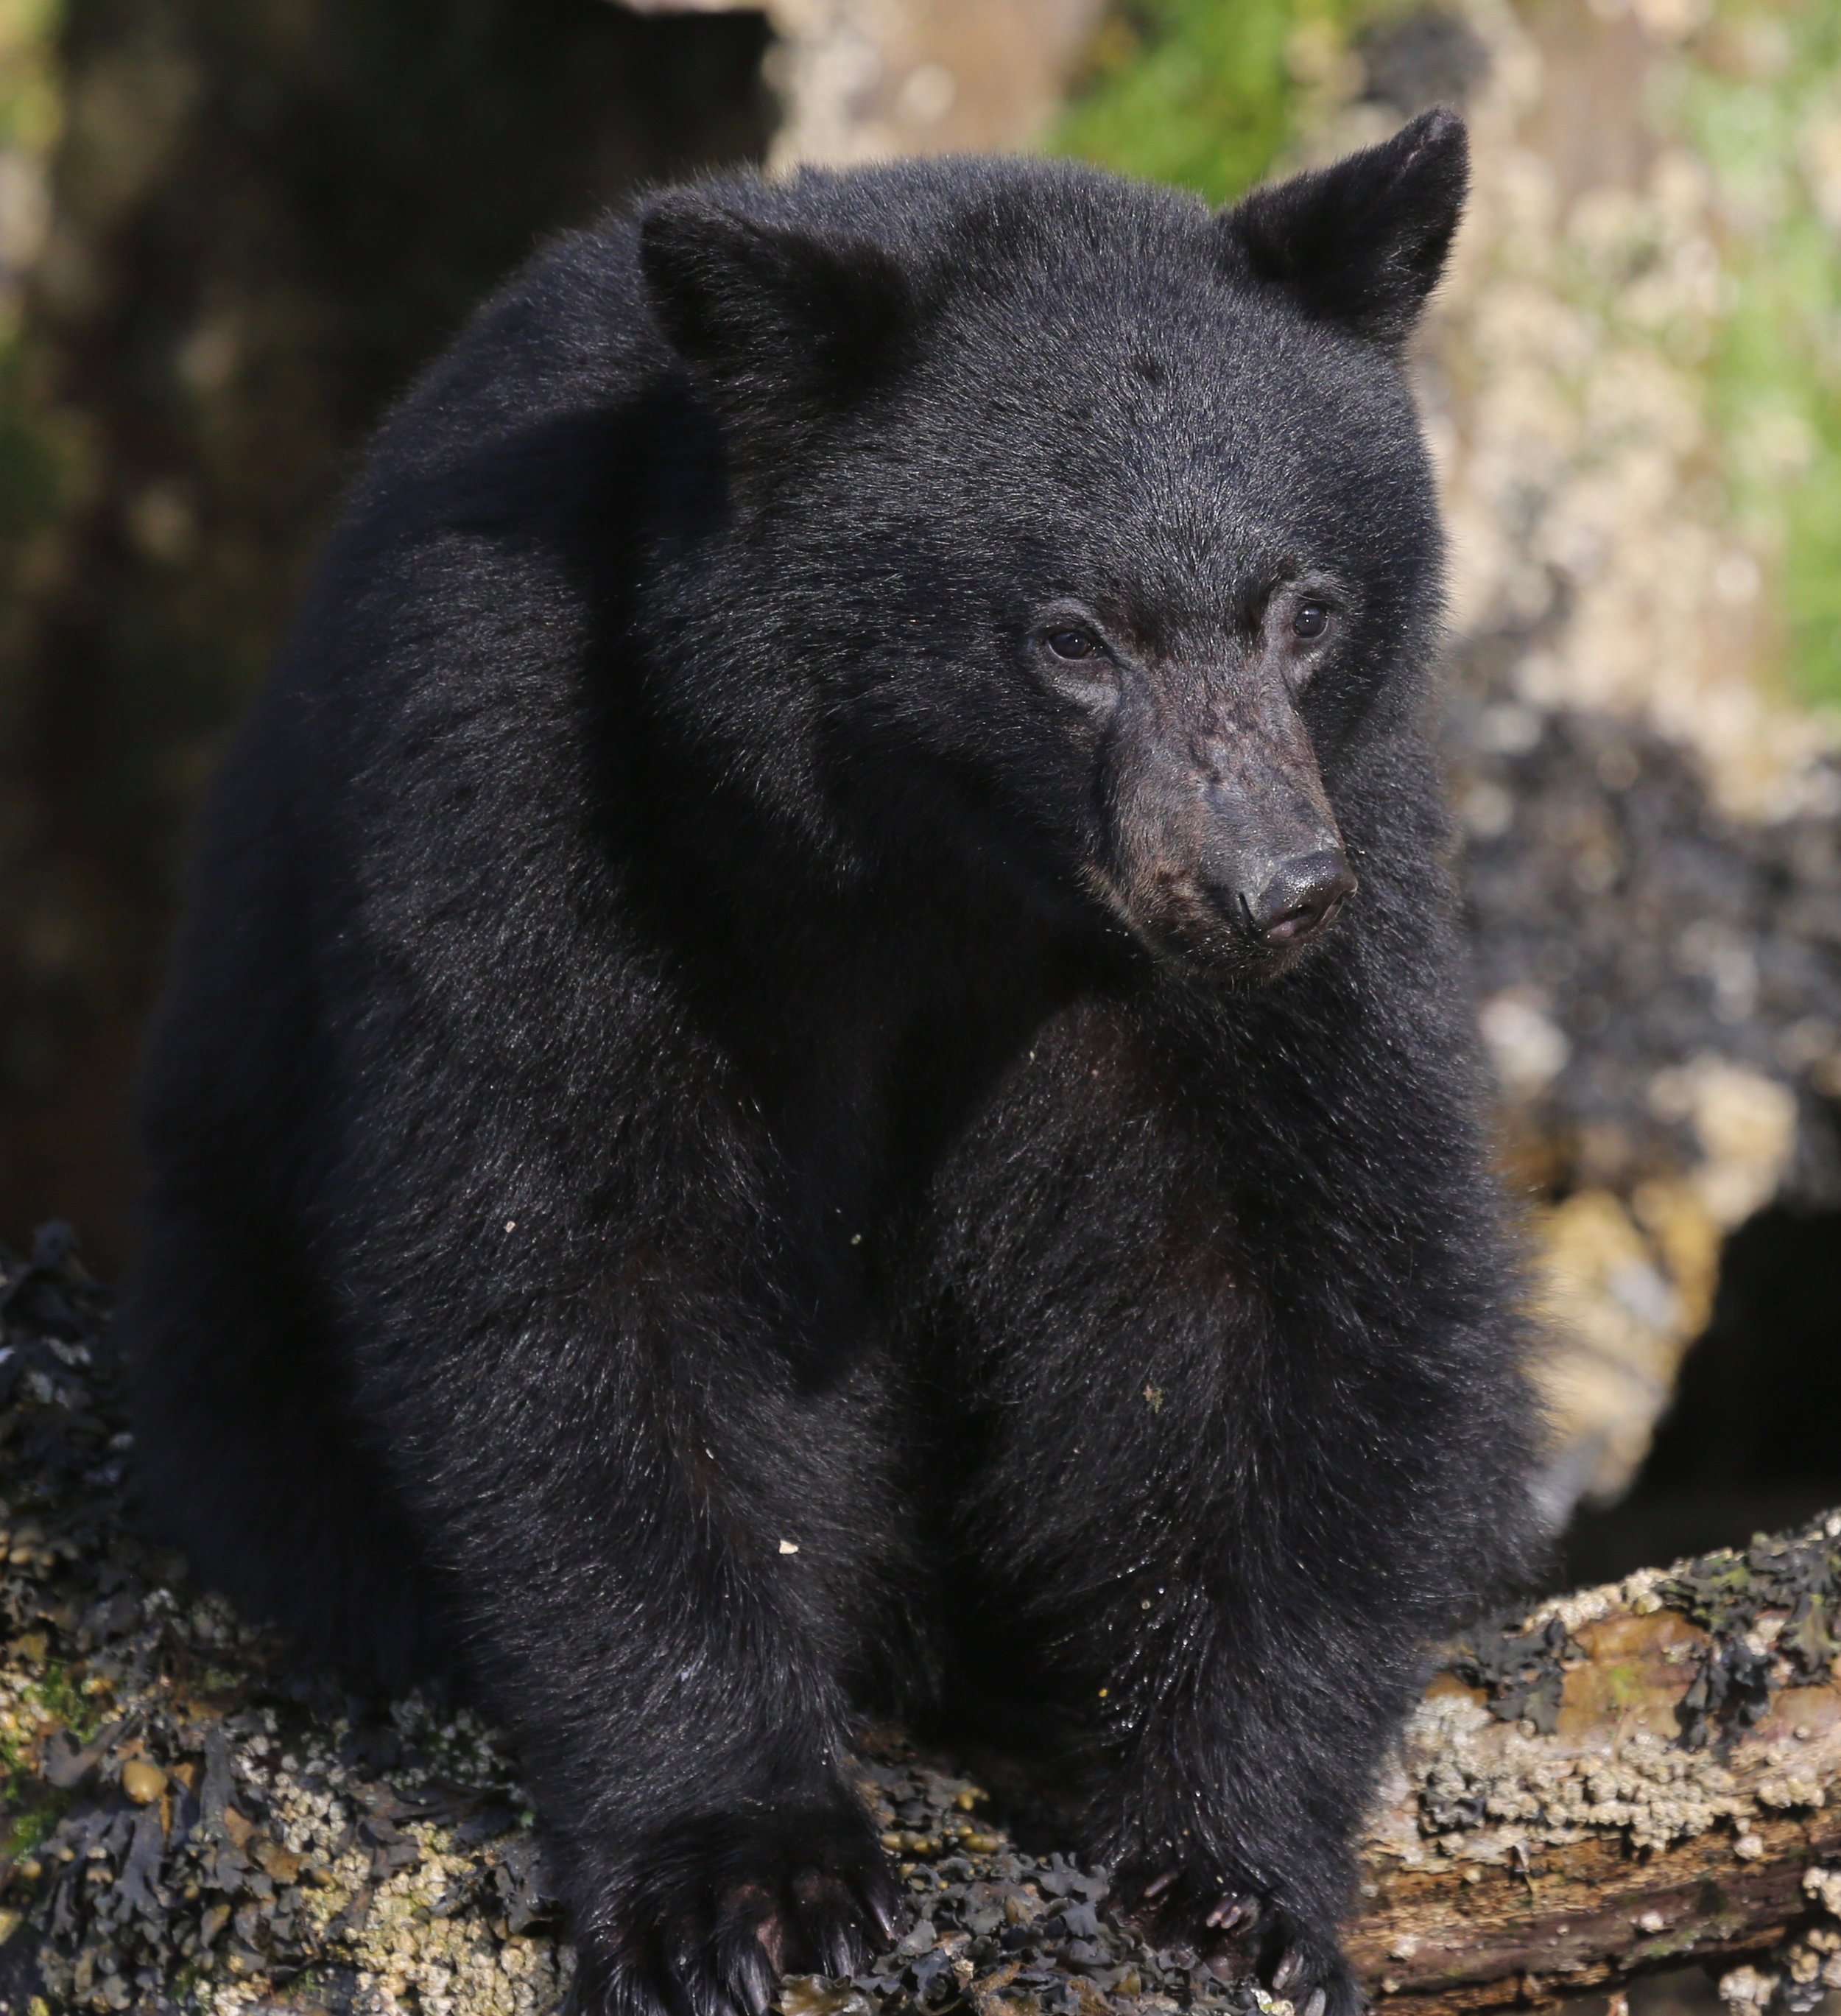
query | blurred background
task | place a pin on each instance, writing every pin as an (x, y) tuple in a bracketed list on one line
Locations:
[(231, 230)]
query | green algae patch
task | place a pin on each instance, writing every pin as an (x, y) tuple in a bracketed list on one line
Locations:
[(1757, 95), (1188, 92)]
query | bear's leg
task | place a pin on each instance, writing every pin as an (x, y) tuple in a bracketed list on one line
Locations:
[(1239, 1662), (1229, 1525), (246, 1450), (1230, 1319), (1236, 1548), (656, 1538)]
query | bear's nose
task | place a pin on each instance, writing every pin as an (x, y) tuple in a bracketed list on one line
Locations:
[(1300, 899)]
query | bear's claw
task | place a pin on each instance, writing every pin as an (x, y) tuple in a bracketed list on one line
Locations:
[(725, 1905), (1245, 1934), (1232, 1911)]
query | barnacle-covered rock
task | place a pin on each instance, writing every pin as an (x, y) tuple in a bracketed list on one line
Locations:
[(189, 1820)]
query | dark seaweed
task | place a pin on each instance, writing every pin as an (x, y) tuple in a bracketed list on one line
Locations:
[(1521, 1672), (1726, 1594)]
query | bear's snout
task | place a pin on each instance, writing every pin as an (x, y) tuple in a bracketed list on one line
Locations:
[(1266, 903), (1224, 848), (1302, 897)]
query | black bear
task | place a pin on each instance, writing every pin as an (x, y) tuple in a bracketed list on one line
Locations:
[(817, 1062)]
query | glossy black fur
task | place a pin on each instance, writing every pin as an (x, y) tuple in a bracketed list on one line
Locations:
[(719, 1150)]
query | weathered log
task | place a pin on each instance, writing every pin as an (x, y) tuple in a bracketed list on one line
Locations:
[(1634, 1776)]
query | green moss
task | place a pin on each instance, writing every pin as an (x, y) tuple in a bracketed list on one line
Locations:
[(1757, 99), (29, 1808), (34, 458), (1626, 1684), (29, 109), (38, 457), (55, 1696), (1198, 92), (27, 1825)]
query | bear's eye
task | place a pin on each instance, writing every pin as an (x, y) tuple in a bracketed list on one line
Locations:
[(1310, 622), (1071, 644)]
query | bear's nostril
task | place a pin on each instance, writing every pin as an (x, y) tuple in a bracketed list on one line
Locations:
[(1294, 923), (1301, 898)]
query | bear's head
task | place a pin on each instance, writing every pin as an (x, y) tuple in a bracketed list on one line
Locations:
[(1066, 532)]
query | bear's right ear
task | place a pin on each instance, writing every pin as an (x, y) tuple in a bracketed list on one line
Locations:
[(1361, 242), (776, 325)]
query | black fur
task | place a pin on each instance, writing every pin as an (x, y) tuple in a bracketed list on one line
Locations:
[(762, 978)]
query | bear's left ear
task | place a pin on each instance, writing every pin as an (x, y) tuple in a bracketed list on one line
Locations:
[(1361, 242), (775, 325)]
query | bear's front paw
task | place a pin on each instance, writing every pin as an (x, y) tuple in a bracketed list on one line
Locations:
[(1309, 1971), (715, 1909), (1243, 1932)]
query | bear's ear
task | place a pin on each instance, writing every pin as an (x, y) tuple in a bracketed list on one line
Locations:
[(1362, 243), (775, 325)]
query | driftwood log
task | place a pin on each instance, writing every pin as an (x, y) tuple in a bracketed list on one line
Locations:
[(1627, 1778), (1634, 1777)]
